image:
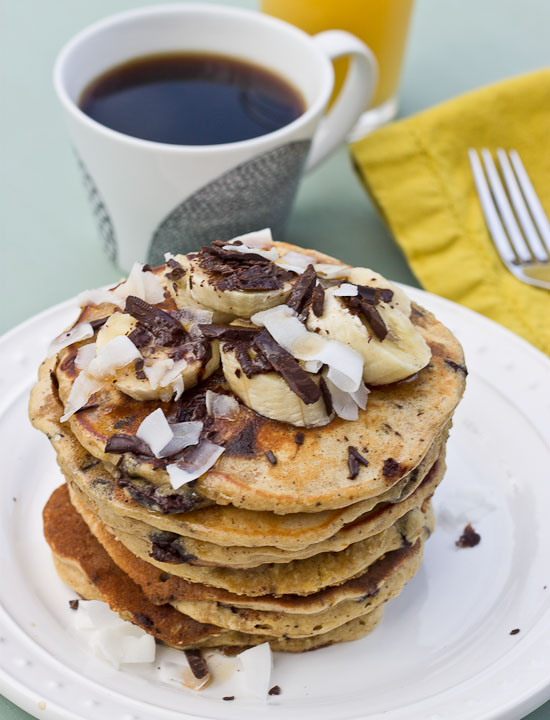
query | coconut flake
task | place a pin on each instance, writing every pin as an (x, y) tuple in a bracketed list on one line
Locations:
[(191, 318), (257, 664), (155, 431), (345, 363), (345, 290), (185, 434), (291, 268), (95, 615), (168, 256), (141, 284), (300, 260), (361, 396), (84, 355), (116, 354), (267, 254), (312, 366), (221, 406), (82, 388), (173, 373), (98, 297), (157, 370), (195, 464), (331, 272), (81, 331), (261, 239), (343, 403)]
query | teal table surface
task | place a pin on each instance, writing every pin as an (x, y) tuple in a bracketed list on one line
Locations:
[(49, 246)]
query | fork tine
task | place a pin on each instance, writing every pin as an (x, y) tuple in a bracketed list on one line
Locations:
[(537, 248), (514, 233), (491, 216), (532, 199)]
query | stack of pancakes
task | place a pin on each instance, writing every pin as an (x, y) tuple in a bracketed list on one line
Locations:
[(297, 536)]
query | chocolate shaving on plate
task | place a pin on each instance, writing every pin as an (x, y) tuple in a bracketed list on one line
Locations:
[(275, 690), (318, 300), (198, 665), (292, 372), (469, 538), (302, 290), (122, 443), (166, 329), (354, 460), (73, 604)]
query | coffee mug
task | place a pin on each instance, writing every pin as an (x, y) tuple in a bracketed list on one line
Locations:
[(152, 197)]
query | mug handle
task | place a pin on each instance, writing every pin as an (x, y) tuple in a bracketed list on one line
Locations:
[(354, 96)]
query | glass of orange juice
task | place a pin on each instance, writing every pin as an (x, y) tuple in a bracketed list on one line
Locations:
[(381, 24)]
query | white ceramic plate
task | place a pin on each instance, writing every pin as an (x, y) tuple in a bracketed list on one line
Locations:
[(444, 649)]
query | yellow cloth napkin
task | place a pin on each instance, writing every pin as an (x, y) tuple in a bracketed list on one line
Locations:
[(418, 173)]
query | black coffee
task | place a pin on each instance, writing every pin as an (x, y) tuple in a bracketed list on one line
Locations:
[(191, 99)]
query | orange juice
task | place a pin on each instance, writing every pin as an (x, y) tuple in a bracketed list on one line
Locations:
[(381, 24)]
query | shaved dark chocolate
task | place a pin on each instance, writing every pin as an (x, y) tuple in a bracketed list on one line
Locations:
[(88, 406), (375, 295), (122, 443), (166, 329), (292, 372), (371, 314), (318, 300), (354, 460), (198, 665), (302, 290), (146, 268), (515, 631), (391, 467), (73, 604), (251, 365), (469, 538), (327, 397), (229, 332), (176, 272), (271, 457), (228, 697), (275, 690), (158, 499), (231, 270), (99, 322), (299, 438), (140, 336), (139, 364), (166, 547)]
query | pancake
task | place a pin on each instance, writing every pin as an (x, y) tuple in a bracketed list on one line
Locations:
[(400, 422), (162, 586), (223, 526), (85, 566)]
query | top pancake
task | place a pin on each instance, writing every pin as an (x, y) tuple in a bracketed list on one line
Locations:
[(400, 423)]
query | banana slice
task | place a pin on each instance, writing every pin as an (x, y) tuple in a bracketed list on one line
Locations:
[(178, 287), (160, 376), (402, 353), (365, 276), (204, 289), (270, 395)]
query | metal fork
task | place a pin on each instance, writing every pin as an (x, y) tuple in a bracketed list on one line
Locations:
[(526, 254)]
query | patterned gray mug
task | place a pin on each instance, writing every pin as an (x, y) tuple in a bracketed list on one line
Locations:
[(151, 197)]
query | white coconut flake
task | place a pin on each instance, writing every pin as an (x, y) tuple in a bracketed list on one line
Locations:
[(300, 260), (178, 387), (343, 403), (155, 431), (98, 297), (168, 256), (157, 370), (291, 268), (361, 396), (95, 615), (267, 254), (312, 366), (185, 434), (84, 355), (345, 364), (345, 290), (195, 464), (261, 239), (221, 406), (141, 284), (116, 354), (82, 388), (81, 331), (257, 664), (331, 272), (123, 643), (191, 318)]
